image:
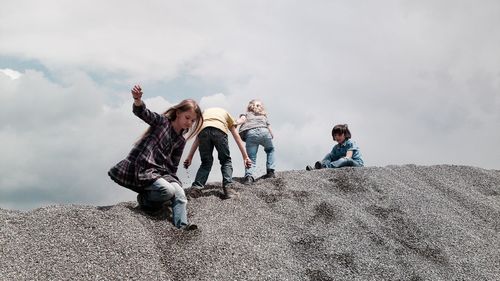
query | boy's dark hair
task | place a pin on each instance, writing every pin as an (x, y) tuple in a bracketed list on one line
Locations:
[(341, 129)]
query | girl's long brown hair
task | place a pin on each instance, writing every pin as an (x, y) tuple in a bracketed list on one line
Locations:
[(183, 106)]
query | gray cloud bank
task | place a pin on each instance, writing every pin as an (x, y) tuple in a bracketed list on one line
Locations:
[(394, 223), (417, 83)]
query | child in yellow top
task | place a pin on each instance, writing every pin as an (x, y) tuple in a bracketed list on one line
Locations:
[(217, 122)]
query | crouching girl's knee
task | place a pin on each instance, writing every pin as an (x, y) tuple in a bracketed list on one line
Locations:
[(179, 193)]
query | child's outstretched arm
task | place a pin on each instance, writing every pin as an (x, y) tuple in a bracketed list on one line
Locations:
[(193, 149), (140, 110), (239, 142)]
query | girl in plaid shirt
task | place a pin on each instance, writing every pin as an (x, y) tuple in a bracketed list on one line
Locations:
[(151, 166)]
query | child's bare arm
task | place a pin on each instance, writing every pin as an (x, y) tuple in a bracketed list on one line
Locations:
[(348, 154), (241, 120), (270, 131), (239, 142), (193, 149)]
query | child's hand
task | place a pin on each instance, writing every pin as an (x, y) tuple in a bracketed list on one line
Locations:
[(137, 92), (187, 163), (248, 162)]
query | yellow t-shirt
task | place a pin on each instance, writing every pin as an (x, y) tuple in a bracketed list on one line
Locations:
[(218, 118)]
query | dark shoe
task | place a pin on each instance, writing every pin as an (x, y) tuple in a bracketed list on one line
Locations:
[(189, 227), (229, 192), (318, 165), (309, 168), (193, 192), (248, 180), (139, 199), (270, 174)]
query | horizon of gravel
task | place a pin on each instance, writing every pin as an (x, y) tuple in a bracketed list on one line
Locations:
[(403, 222)]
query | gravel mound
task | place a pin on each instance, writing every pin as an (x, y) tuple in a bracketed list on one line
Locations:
[(374, 223)]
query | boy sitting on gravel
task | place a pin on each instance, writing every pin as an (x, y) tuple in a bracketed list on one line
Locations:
[(344, 153)]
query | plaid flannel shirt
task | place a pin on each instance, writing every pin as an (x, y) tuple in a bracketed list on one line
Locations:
[(156, 155)]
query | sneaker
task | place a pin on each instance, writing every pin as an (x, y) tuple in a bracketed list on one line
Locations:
[(270, 174), (248, 180), (318, 165), (193, 192), (229, 192), (309, 168), (189, 227)]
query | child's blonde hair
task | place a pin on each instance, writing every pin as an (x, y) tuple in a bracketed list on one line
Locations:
[(257, 107)]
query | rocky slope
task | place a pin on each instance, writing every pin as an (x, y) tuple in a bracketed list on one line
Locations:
[(374, 223)]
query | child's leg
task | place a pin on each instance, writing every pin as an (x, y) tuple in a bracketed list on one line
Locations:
[(252, 147), (206, 149), (342, 162), (179, 212), (267, 142), (222, 147), (155, 195), (162, 191)]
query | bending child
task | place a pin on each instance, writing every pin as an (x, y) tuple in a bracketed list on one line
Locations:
[(151, 166), (214, 132), (344, 153), (256, 130)]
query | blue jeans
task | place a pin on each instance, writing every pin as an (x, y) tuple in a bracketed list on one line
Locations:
[(256, 137), (342, 162), (211, 138), (161, 191)]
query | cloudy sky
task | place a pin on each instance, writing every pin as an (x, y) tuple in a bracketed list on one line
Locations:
[(418, 82)]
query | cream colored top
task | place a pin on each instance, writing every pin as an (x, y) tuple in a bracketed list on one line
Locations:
[(218, 118)]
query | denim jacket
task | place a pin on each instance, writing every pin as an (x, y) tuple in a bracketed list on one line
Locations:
[(340, 150)]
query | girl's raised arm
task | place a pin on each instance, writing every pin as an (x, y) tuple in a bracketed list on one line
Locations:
[(140, 110), (137, 95)]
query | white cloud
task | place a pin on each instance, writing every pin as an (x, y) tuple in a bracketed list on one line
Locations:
[(12, 74), (217, 100)]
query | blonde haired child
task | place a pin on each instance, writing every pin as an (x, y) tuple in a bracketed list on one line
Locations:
[(256, 130)]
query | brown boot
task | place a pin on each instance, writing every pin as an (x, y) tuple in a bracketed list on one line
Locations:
[(229, 192), (193, 192)]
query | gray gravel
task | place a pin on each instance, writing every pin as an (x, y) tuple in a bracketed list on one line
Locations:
[(375, 223)]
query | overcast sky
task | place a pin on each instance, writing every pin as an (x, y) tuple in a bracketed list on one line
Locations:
[(418, 82)]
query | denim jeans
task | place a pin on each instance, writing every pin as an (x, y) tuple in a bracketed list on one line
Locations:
[(342, 162), (209, 139), (256, 137), (161, 191)]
